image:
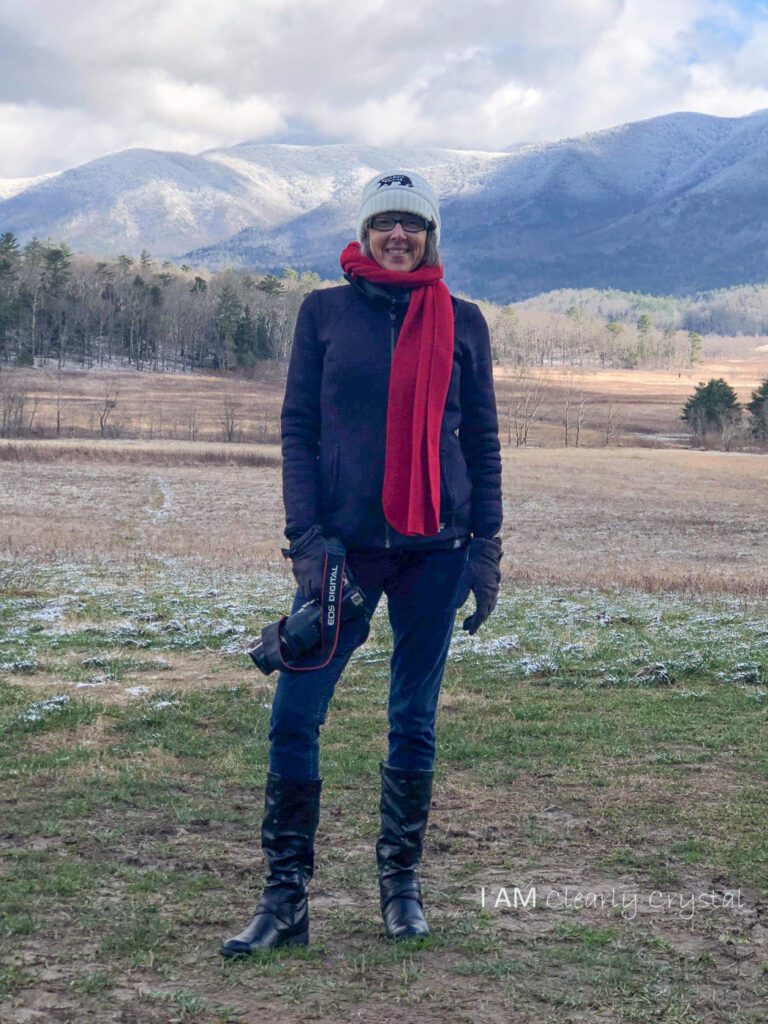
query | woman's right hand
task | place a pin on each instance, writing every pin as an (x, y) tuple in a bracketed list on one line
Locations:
[(307, 555)]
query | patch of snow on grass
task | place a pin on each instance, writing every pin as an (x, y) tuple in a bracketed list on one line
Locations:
[(41, 708)]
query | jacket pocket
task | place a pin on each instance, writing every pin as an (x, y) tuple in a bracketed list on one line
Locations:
[(329, 480), (455, 483), (447, 498)]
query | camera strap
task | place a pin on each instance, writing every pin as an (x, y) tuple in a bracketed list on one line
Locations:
[(330, 619)]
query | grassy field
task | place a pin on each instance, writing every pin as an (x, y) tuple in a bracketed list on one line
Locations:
[(645, 405), (171, 406), (657, 520), (602, 744)]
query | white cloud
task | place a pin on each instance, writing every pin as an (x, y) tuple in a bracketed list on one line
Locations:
[(35, 139), (711, 89), (85, 77), (200, 108), (509, 102)]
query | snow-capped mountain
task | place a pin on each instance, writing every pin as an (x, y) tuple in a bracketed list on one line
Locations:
[(673, 204), (12, 186), (172, 202)]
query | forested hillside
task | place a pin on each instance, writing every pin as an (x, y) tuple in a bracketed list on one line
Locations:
[(151, 315)]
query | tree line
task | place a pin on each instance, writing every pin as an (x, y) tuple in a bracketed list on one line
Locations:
[(529, 336), (738, 310), (62, 308), (133, 311)]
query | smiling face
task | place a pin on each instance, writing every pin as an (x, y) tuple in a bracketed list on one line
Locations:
[(397, 249)]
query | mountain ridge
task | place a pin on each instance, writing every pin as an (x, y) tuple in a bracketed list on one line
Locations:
[(672, 204)]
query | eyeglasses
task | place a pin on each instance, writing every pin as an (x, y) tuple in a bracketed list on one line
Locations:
[(386, 222)]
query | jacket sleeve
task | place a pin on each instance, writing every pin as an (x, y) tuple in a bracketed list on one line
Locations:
[(479, 430), (300, 424)]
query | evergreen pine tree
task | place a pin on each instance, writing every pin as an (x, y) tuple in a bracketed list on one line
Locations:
[(246, 340), (713, 407), (694, 348), (645, 331), (271, 285), (229, 310)]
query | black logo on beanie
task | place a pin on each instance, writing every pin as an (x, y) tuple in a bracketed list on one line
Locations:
[(399, 179)]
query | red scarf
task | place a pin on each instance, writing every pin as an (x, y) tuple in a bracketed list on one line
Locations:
[(418, 387)]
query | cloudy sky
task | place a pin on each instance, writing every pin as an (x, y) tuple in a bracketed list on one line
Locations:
[(86, 77)]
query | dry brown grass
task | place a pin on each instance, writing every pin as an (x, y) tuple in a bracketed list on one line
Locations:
[(648, 403), (152, 405), (657, 520), (651, 519), (169, 406), (149, 453), (81, 509)]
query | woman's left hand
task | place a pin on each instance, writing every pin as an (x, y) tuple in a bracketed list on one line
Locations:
[(481, 575)]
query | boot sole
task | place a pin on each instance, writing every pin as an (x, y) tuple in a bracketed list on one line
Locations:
[(302, 939), (404, 936)]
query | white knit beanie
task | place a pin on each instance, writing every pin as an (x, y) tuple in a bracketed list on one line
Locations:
[(400, 190)]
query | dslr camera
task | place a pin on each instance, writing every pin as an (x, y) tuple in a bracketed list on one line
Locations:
[(294, 637)]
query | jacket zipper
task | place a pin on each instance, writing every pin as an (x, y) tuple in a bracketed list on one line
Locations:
[(391, 356)]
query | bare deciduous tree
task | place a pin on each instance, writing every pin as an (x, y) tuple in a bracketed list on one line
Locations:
[(191, 421), (575, 401), (526, 405), (12, 402), (612, 424), (230, 415), (111, 393), (730, 427), (581, 407), (58, 401)]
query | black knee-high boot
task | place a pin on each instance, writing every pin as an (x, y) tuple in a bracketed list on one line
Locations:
[(405, 800), (291, 814)]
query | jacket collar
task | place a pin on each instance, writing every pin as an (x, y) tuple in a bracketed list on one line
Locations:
[(380, 294)]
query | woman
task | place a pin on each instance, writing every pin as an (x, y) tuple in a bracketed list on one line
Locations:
[(390, 443)]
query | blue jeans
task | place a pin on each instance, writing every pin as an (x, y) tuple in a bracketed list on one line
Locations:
[(421, 587)]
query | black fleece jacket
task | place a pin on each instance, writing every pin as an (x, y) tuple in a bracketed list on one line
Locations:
[(334, 414)]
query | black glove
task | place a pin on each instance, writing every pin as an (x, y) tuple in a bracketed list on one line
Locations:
[(308, 557), (482, 575)]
